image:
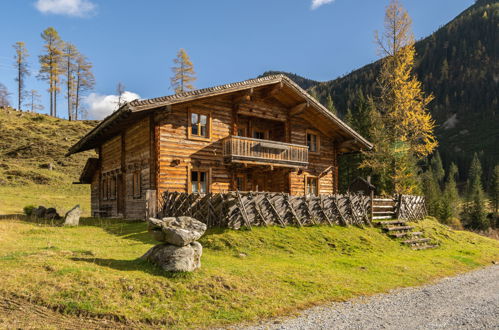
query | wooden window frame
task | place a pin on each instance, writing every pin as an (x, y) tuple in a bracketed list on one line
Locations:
[(137, 185), (189, 178), (105, 189), (307, 177), (241, 176), (245, 131), (206, 113), (318, 141), (265, 133), (113, 188)]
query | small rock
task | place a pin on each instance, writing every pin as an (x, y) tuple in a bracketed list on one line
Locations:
[(173, 258), (179, 231), (72, 217)]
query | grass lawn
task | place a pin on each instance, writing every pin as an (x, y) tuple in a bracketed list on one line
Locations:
[(63, 197), (246, 275)]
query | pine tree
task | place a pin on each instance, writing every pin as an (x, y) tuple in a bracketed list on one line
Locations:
[(475, 210), (437, 168), (450, 205), (85, 81), (50, 65), (183, 72), (432, 193), (330, 104), (494, 190), (408, 135), (21, 66), (70, 54)]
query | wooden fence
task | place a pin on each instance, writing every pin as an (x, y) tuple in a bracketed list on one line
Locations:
[(248, 209), (411, 208), (235, 210)]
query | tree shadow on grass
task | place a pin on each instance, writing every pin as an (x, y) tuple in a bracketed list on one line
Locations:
[(134, 265)]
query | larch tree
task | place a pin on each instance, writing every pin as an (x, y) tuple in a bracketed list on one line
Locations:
[(33, 101), (85, 81), (50, 65), (403, 106), (183, 73), (21, 66), (69, 65)]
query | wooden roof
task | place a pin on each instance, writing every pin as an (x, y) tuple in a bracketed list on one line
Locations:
[(137, 109), (88, 172)]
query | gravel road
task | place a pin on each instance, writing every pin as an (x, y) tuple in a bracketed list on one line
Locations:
[(467, 301)]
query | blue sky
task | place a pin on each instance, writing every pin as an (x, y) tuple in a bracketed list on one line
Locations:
[(134, 42)]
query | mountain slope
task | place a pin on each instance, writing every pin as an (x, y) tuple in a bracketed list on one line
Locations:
[(31, 143), (459, 65)]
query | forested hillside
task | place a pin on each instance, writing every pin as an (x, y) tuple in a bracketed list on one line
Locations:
[(458, 64)]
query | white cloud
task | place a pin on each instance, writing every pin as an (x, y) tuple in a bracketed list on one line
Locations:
[(80, 8), (99, 106), (317, 3)]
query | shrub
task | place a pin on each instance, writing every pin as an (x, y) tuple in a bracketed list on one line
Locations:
[(28, 209)]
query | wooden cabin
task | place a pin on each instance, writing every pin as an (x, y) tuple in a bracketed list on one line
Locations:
[(264, 134)]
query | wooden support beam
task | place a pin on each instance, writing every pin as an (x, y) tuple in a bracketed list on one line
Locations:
[(346, 145), (243, 97), (272, 92), (298, 109)]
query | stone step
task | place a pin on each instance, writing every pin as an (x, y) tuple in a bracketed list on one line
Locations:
[(384, 212), (381, 217), (396, 228), (383, 200), (383, 206), (405, 234), (390, 222), (425, 247), (416, 241)]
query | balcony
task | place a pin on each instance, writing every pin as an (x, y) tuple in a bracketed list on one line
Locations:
[(238, 149)]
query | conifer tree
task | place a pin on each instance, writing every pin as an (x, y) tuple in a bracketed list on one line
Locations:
[(450, 203), (50, 65), (330, 104), (437, 167), (85, 81), (403, 106), (475, 210), (494, 190), (70, 54), (33, 103), (183, 73), (21, 66), (4, 96), (432, 193)]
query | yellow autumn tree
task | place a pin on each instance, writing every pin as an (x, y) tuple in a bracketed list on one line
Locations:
[(183, 73), (402, 106)]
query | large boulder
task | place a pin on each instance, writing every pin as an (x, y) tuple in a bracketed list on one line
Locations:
[(72, 217), (174, 258), (179, 231)]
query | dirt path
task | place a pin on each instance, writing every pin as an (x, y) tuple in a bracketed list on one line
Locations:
[(467, 301)]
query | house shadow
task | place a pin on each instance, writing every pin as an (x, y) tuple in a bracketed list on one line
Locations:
[(133, 265)]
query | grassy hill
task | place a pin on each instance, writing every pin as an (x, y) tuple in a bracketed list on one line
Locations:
[(458, 65), (93, 270), (33, 168)]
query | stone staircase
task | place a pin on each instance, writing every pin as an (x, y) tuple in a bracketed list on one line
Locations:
[(384, 215)]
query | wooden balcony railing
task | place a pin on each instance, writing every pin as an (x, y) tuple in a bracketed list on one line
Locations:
[(243, 149)]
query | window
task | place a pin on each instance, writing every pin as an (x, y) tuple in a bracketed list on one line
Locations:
[(137, 192), (199, 181), (312, 142), (104, 189), (199, 125), (312, 187), (112, 188), (259, 135), (241, 132)]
